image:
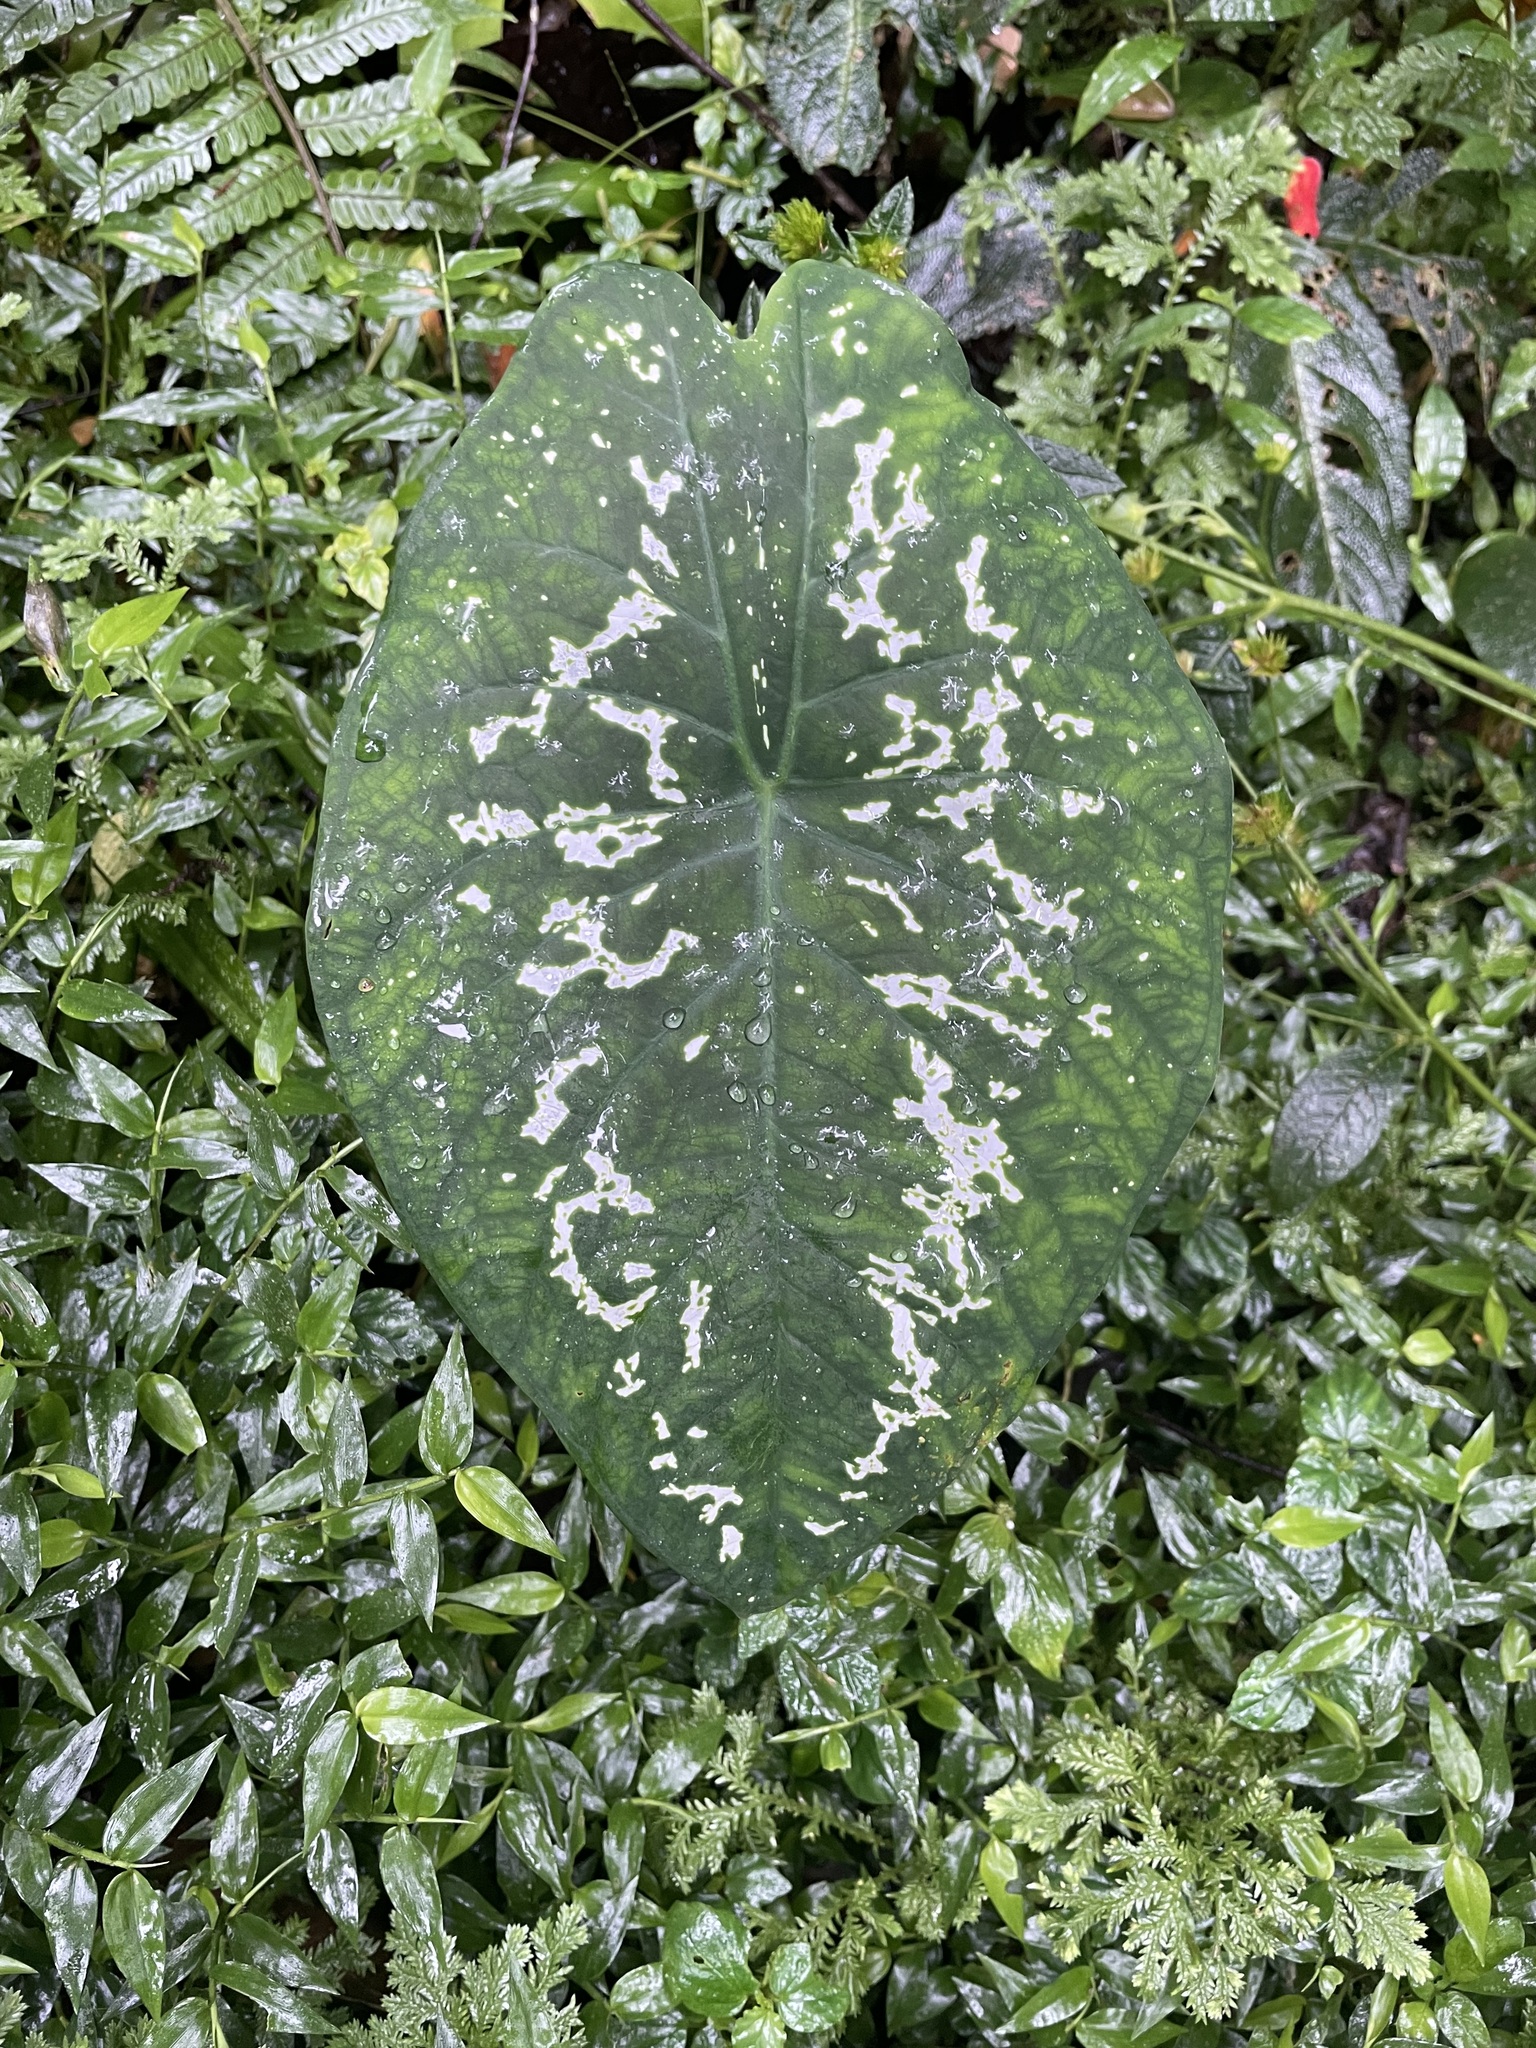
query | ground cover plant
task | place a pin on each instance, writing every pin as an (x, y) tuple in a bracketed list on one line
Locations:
[(1200, 1705)]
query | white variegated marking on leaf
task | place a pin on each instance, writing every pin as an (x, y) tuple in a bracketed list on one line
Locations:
[(1093, 1017), (714, 1498), (920, 1371), (824, 1528), (692, 1320), (658, 490), (935, 994), (990, 705), (657, 551), (637, 1269), (958, 808), (1076, 803), (490, 824), (1039, 909), (979, 616), (884, 889), (603, 845), (730, 1542), (695, 1045), (911, 725), (580, 925), (610, 1190), (628, 618), (549, 1112), (864, 523), (866, 814), (1058, 722), (1014, 968), (627, 1370), (663, 1433), (848, 409), (664, 1461), (652, 726), (460, 1031), (971, 1153), (867, 610), (473, 898)]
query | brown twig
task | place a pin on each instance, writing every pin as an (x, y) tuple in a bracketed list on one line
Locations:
[(268, 85), (766, 120), (523, 83)]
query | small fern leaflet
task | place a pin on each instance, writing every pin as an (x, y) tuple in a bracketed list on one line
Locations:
[(148, 73), (320, 44)]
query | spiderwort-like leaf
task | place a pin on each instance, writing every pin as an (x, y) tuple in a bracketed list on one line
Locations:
[(766, 921), (133, 1921)]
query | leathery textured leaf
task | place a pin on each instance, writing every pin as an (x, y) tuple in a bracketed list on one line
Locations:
[(768, 908)]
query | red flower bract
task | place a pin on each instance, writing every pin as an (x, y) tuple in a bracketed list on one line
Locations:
[(1301, 198)]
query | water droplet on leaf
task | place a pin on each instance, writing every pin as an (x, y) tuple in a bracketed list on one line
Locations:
[(846, 1207), (736, 1092), (674, 1020), (760, 1029), (766, 1097), (369, 747)]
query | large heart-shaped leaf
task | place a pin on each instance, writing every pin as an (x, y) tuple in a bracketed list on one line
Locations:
[(767, 915)]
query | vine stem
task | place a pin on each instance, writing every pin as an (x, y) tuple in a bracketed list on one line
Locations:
[(268, 84), (762, 115), (1356, 624)]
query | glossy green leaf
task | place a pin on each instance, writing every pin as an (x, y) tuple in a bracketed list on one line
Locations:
[(401, 1715), (69, 1915), (496, 1503), (792, 1012), (133, 1921), (1306, 1528), (1455, 1758), (327, 1766), (413, 1545), (704, 1959), (411, 1881), (53, 1781), (126, 626), (447, 1427), (1466, 1886), (27, 1649), (171, 1412), (1439, 444), (236, 1842), (143, 1818), (1133, 62)]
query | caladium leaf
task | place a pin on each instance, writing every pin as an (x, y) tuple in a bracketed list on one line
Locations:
[(768, 908)]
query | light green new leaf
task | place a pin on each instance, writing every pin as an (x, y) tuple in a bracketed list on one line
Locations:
[(1466, 1886), (767, 916), (171, 1412), (1455, 1758), (402, 1715), (1132, 63), (129, 625), (496, 1504)]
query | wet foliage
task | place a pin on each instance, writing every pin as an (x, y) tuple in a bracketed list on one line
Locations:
[(1199, 1705)]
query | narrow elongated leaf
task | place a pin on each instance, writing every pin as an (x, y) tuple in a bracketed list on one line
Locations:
[(766, 920), (402, 1715), (143, 1818), (51, 1784), (133, 1921)]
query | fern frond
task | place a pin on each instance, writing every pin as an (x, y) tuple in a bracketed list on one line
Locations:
[(36, 22), (328, 40), (224, 126), (261, 186), (396, 199), (355, 119), (288, 257), (143, 76)]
